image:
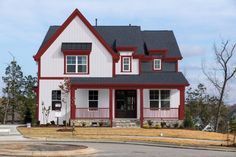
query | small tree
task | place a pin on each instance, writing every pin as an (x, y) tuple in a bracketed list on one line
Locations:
[(65, 88), (45, 112), (219, 76)]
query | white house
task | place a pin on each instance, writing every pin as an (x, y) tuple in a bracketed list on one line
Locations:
[(115, 73)]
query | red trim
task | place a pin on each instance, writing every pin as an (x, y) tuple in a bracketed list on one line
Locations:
[(130, 64), (141, 107), (76, 52), (113, 68), (153, 65), (182, 102), (79, 73), (160, 51), (52, 78), (72, 107), (172, 58), (126, 48), (110, 106), (177, 66), (130, 86), (63, 27)]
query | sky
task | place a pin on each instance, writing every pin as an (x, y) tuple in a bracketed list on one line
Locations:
[(197, 24)]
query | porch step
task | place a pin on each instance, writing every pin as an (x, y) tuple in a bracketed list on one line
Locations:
[(126, 123)]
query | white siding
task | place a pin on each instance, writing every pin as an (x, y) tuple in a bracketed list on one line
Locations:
[(52, 61), (134, 65), (81, 98), (174, 98), (45, 97)]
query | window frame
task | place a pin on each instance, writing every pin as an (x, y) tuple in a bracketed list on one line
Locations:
[(124, 64), (77, 64), (54, 108), (154, 64), (93, 100), (159, 100)]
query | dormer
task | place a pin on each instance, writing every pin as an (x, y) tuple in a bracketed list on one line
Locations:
[(127, 64)]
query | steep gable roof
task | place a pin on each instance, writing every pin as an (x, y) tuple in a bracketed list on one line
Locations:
[(113, 37), (53, 36)]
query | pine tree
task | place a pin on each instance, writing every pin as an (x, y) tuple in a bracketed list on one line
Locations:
[(13, 80)]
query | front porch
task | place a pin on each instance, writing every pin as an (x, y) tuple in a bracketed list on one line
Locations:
[(99, 103)]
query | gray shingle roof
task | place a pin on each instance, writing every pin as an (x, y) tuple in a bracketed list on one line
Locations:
[(163, 78), (118, 36), (76, 46)]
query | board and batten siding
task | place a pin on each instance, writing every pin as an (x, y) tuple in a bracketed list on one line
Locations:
[(82, 97), (100, 60), (134, 64), (45, 97)]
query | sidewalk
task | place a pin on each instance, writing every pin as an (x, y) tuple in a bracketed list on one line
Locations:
[(13, 135)]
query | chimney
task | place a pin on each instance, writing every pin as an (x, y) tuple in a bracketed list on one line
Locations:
[(96, 22)]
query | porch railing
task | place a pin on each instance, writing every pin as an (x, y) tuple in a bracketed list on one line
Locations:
[(167, 113), (92, 113)]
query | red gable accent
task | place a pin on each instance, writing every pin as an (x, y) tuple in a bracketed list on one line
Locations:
[(62, 28)]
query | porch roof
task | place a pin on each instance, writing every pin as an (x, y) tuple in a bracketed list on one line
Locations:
[(159, 78)]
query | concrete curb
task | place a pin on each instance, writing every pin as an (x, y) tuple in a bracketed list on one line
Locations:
[(153, 144)]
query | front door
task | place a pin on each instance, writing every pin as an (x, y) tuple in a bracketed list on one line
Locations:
[(126, 105)]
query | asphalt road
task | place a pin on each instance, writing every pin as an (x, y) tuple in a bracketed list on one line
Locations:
[(129, 150)]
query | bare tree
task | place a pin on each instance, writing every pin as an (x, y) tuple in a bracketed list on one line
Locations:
[(219, 77)]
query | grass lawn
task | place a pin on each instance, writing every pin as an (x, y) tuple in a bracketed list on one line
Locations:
[(190, 137)]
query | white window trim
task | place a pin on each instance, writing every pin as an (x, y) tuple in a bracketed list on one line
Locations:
[(76, 64), (93, 100), (129, 64), (159, 98), (154, 64)]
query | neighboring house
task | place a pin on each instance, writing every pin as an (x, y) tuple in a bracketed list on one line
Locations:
[(116, 73)]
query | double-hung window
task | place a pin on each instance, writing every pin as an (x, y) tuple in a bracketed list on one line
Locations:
[(93, 99), (77, 64), (56, 100), (126, 64), (159, 99), (157, 64)]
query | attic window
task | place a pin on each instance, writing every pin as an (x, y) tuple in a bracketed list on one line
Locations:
[(157, 64), (125, 64)]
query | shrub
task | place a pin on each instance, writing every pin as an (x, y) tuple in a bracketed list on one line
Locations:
[(53, 122), (83, 124), (188, 121), (64, 123), (158, 126), (176, 125), (100, 124), (38, 123), (150, 122), (146, 126), (163, 124)]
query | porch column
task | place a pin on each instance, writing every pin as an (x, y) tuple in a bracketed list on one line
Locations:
[(141, 107), (182, 102), (110, 106), (72, 103)]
